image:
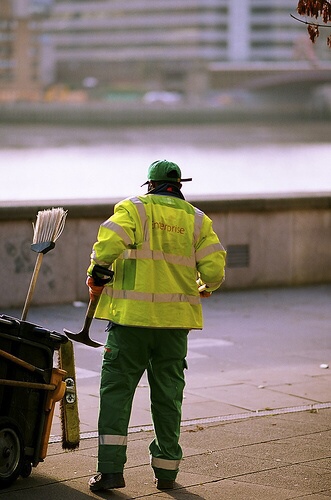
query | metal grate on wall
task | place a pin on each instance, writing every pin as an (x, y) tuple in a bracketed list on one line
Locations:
[(237, 256)]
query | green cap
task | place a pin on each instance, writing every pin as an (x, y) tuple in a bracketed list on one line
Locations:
[(164, 170)]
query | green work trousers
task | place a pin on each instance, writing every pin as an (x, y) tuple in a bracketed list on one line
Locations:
[(130, 351)]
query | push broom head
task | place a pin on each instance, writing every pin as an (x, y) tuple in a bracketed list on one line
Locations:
[(48, 228)]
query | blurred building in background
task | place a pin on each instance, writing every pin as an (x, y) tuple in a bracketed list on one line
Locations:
[(20, 48), (186, 46)]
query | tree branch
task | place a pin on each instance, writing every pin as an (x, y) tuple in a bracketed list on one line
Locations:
[(311, 22)]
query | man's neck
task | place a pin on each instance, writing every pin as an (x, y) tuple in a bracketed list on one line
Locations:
[(167, 189)]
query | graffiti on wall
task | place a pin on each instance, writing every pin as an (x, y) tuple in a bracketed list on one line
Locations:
[(23, 260)]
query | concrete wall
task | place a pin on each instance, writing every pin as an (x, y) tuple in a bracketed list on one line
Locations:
[(271, 241)]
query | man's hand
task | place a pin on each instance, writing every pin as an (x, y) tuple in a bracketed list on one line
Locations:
[(101, 276), (202, 287), (94, 290)]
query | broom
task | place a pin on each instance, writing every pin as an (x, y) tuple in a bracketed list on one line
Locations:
[(69, 414), (48, 228)]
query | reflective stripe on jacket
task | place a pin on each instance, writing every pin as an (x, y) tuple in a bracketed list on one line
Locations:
[(158, 246)]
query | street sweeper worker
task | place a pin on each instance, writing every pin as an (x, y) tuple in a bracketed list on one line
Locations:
[(165, 256)]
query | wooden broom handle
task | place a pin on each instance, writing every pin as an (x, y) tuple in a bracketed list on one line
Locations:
[(32, 286), (22, 363)]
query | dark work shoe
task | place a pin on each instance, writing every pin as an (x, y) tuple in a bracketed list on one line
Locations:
[(164, 484), (106, 481)]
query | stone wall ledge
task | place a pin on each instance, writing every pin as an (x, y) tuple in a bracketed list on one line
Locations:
[(95, 208)]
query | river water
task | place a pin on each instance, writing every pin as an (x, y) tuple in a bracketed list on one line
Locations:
[(61, 163)]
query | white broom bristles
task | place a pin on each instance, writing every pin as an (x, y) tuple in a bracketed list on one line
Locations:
[(49, 225)]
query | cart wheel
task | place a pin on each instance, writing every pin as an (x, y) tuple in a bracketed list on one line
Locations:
[(11, 452), (26, 469)]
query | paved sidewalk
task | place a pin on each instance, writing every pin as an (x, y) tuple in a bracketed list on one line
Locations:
[(256, 414), (260, 458)]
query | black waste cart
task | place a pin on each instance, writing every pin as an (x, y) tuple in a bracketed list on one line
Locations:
[(29, 388)]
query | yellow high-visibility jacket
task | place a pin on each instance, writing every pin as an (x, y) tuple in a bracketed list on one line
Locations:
[(158, 245)]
